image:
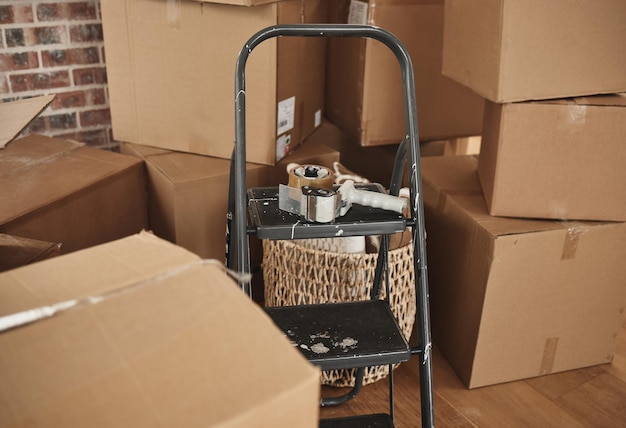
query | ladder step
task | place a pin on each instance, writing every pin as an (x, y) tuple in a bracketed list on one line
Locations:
[(344, 335), (268, 221), (363, 421)]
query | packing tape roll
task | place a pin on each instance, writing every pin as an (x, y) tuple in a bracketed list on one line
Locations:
[(311, 175)]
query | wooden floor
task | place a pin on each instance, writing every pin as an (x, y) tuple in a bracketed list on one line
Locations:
[(590, 397)]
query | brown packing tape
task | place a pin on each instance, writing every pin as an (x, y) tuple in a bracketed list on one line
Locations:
[(549, 354), (570, 244), (311, 175)]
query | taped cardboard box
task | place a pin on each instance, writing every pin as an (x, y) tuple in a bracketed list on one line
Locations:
[(171, 69), (364, 85), (517, 298), (145, 334), (16, 251), (559, 159), (516, 50), (188, 194)]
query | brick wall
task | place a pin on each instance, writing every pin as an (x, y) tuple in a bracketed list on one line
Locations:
[(57, 48)]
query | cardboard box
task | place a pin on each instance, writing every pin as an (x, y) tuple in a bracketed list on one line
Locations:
[(61, 191), (517, 298), (516, 50), (560, 159), (171, 69), (16, 251), (364, 95), (145, 334), (188, 194)]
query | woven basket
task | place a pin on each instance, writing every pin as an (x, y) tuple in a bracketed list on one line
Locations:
[(294, 275)]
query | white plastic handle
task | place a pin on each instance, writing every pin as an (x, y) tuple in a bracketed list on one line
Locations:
[(350, 195)]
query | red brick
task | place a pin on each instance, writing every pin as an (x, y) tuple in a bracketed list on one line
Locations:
[(18, 61), (86, 33), (50, 35), (39, 81), (62, 121), (73, 56), (95, 97), (82, 10), (68, 100), (90, 76), (36, 36), (73, 99), (95, 117), (16, 14)]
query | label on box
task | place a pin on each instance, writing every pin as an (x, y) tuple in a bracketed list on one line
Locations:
[(358, 12), (282, 146), (286, 114), (318, 118)]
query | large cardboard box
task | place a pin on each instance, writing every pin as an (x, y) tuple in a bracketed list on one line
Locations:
[(364, 86), (171, 74), (142, 333), (516, 50), (560, 159), (517, 298), (64, 192), (188, 194)]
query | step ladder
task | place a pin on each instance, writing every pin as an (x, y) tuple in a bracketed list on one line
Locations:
[(256, 211)]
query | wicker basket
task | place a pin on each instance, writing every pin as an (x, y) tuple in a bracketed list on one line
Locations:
[(294, 274)]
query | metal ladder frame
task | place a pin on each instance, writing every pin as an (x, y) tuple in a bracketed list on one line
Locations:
[(237, 241)]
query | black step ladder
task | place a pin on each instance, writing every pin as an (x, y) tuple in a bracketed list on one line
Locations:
[(380, 339)]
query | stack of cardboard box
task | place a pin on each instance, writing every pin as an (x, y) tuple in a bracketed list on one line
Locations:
[(526, 243)]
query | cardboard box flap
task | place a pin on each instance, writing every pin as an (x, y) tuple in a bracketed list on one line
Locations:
[(15, 116), (16, 251), (181, 346), (30, 180), (463, 188)]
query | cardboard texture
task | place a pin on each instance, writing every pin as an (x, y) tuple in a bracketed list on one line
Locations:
[(188, 194), (517, 298), (364, 86), (516, 50), (560, 159), (150, 336), (63, 192), (16, 251), (15, 116), (171, 68)]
